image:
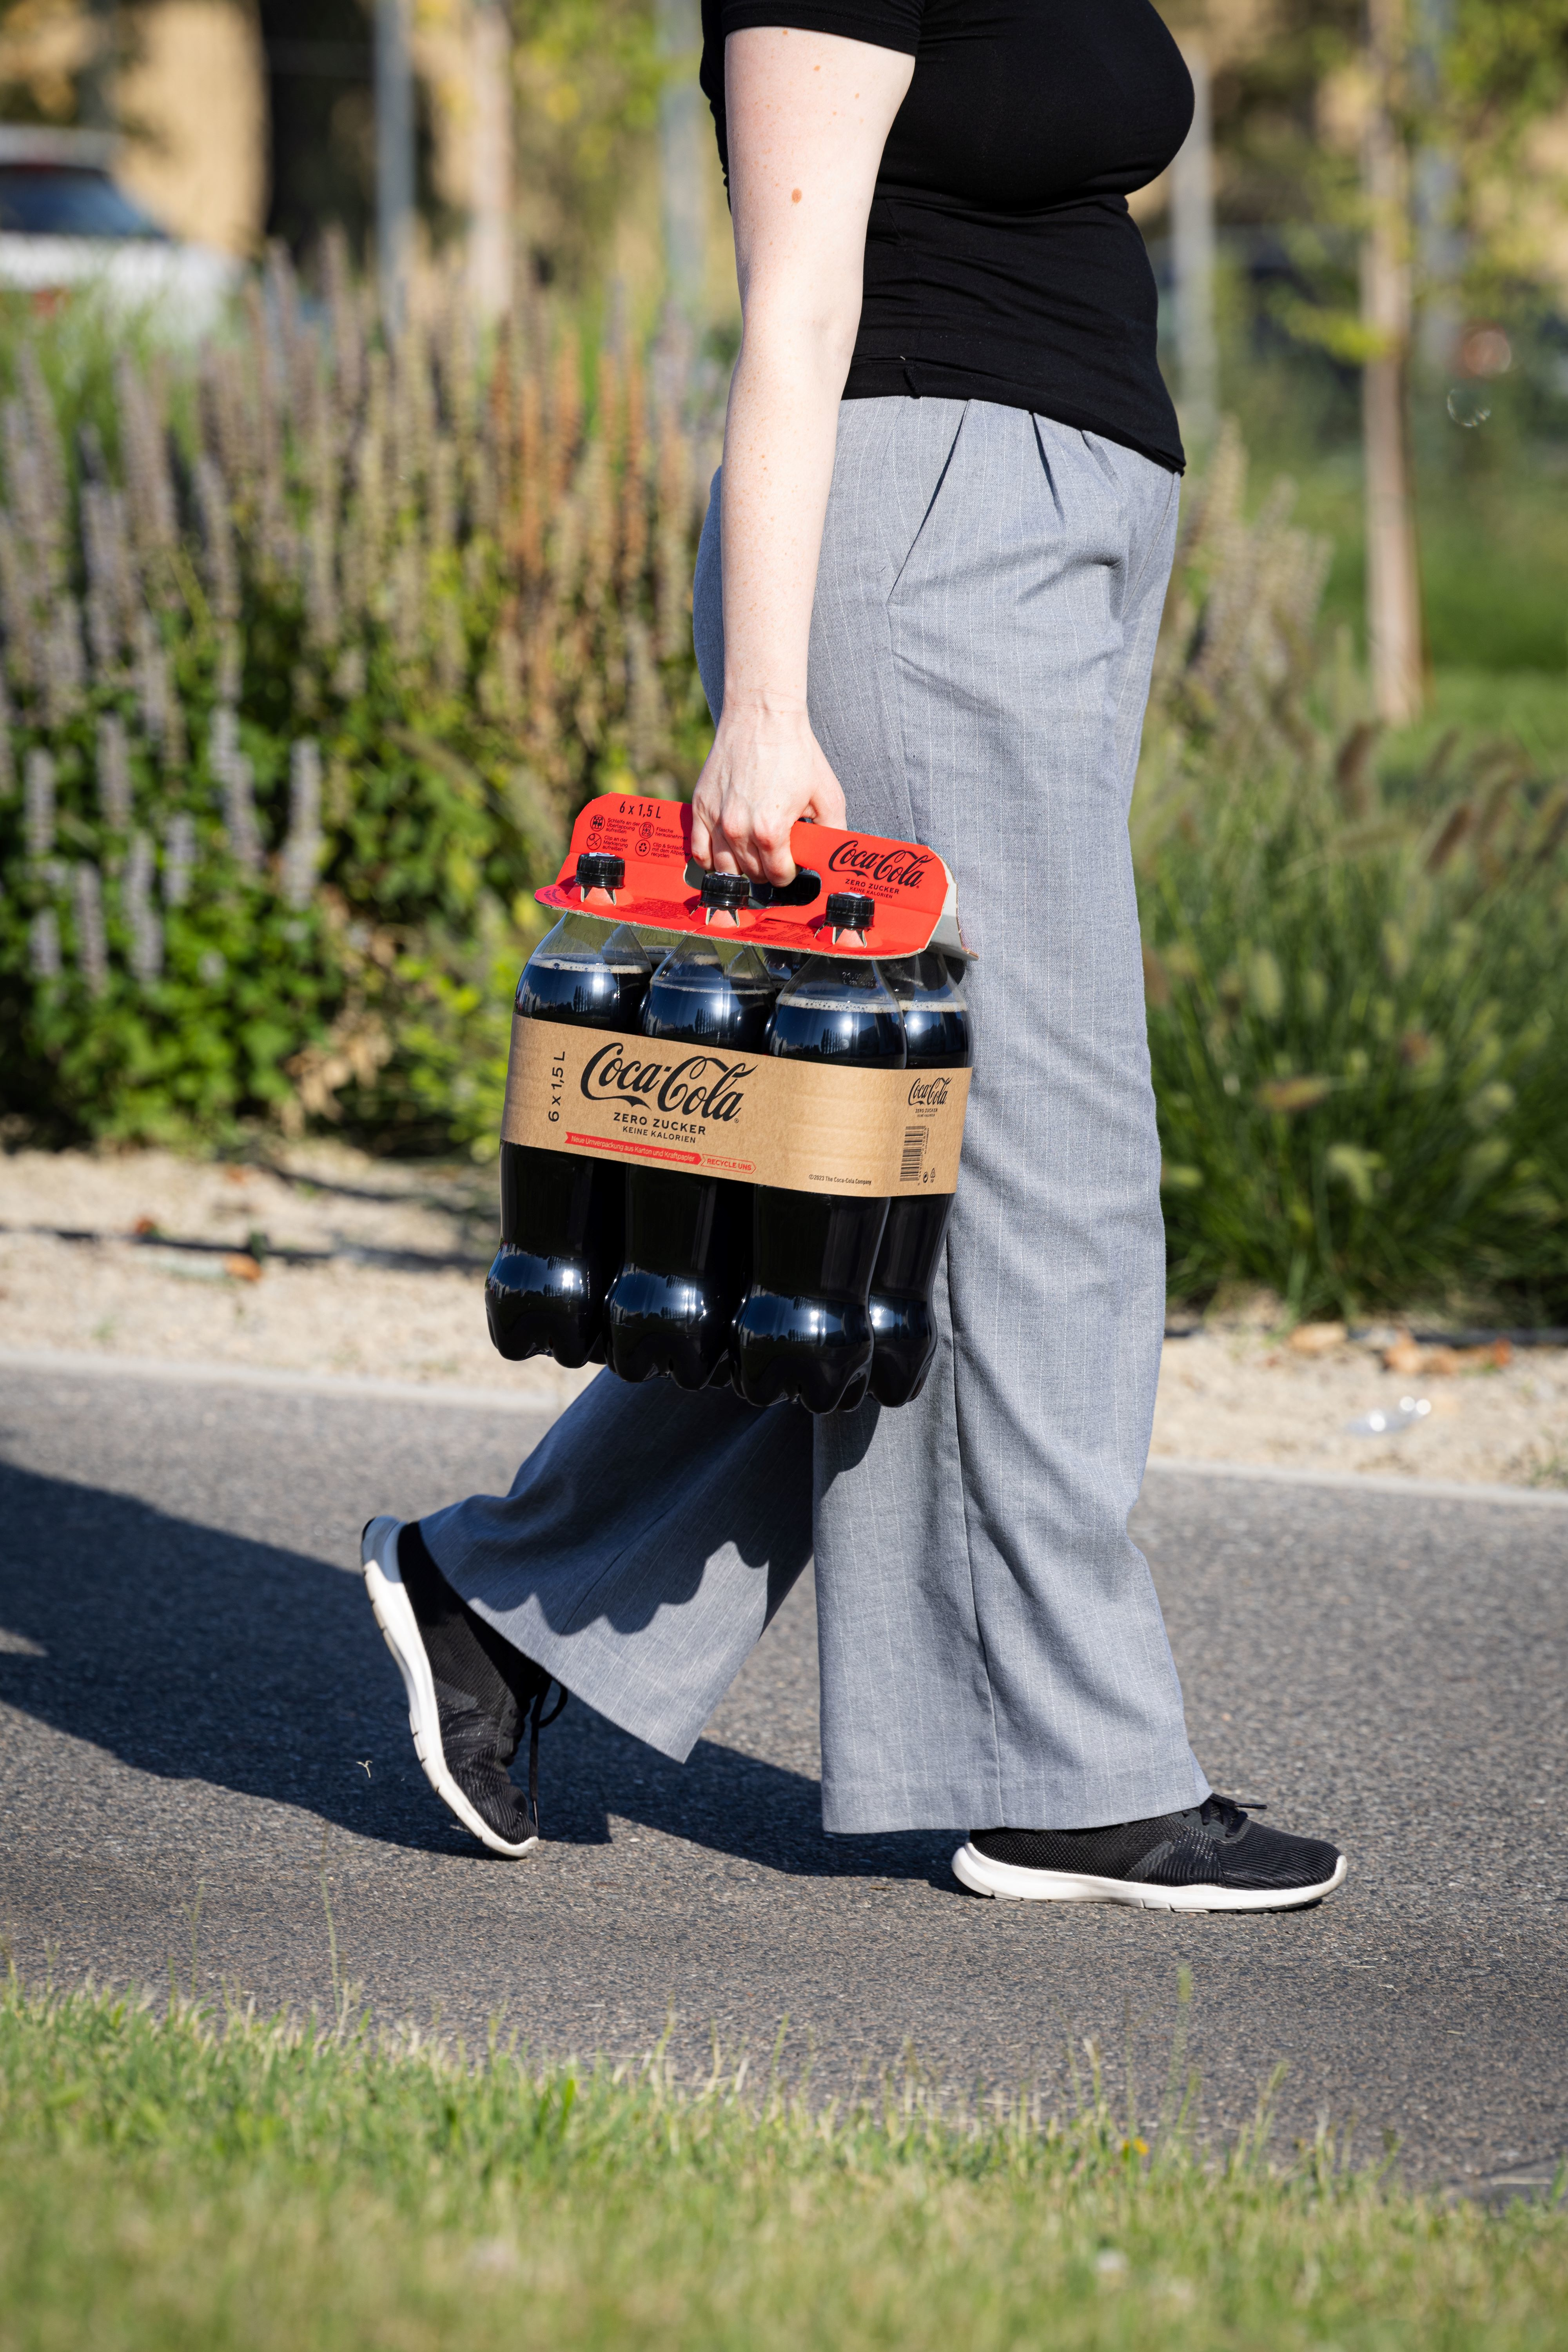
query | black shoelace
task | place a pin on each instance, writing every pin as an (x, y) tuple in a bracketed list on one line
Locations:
[(1230, 1812), (537, 1722)]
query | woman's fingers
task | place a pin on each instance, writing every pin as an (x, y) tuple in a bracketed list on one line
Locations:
[(772, 857), (753, 792), (742, 848), (711, 847), (755, 831), (709, 843)]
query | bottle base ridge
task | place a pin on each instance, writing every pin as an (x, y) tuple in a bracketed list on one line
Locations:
[(543, 1307), (655, 1324), (903, 1333), (814, 1352)]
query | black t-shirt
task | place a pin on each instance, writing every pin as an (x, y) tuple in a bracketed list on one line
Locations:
[(1000, 260)]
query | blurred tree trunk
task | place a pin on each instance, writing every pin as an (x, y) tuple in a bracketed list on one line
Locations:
[(1393, 578), (684, 153), (489, 155), (394, 158)]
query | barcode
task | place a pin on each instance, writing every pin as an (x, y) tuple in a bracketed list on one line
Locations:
[(915, 1141)]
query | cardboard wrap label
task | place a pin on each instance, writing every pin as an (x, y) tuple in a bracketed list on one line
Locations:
[(806, 1127)]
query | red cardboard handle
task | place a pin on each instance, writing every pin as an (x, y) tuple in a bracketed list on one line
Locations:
[(915, 897)]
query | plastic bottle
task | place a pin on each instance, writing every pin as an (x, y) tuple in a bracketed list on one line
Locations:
[(804, 1331), (562, 1218), (783, 965), (689, 1237), (929, 996)]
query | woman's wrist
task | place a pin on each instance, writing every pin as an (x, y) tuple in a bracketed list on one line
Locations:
[(762, 707)]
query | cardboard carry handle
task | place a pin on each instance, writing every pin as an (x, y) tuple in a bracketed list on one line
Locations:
[(914, 895), (757, 1118)]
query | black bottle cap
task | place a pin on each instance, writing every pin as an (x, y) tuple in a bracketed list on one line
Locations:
[(598, 870), (726, 890), (848, 910)]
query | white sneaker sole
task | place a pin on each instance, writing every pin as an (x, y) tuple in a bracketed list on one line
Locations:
[(982, 1876), (400, 1630)]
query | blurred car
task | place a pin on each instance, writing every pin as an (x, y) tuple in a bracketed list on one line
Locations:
[(65, 224)]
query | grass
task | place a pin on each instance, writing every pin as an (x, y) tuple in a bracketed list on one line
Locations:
[(214, 2180), (1529, 706), (1359, 1061), (1491, 504), (1493, 551), (1357, 1009)]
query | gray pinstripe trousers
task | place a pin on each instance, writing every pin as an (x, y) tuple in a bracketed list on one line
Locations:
[(992, 1649)]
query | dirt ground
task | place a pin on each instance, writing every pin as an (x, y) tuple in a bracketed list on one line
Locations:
[(386, 1283)]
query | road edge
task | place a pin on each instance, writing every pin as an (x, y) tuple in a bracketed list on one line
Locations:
[(542, 1390), (554, 1391)]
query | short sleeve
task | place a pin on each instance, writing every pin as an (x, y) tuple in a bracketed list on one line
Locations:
[(885, 24)]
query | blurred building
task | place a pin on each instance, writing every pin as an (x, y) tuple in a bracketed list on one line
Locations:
[(184, 80), (238, 122), (244, 119)]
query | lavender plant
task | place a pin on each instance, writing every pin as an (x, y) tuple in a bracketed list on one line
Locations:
[(310, 656)]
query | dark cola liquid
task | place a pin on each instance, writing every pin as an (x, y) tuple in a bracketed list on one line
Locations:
[(687, 1253), (903, 1327), (562, 1219), (804, 1331)]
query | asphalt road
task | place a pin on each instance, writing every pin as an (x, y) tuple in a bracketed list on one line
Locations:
[(198, 1719)]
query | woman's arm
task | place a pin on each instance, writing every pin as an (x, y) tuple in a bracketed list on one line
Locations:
[(808, 116)]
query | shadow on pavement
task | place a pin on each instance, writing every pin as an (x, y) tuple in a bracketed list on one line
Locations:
[(191, 1654)]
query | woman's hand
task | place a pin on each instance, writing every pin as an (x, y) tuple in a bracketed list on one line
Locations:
[(808, 115), (765, 773)]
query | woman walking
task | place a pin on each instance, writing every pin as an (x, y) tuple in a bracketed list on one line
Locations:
[(926, 603)]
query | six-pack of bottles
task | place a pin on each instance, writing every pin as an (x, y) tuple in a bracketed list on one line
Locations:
[(733, 1115)]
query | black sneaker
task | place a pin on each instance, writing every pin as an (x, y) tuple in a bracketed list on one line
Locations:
[(469, 1693), (1214, 1858)]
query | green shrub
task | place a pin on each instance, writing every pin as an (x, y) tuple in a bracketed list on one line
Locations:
[(312, 649), (1358, 999), (314, 646)]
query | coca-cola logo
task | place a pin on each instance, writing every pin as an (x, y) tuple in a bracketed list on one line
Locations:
[(930, 1094), (899, 865), (697, 1086)]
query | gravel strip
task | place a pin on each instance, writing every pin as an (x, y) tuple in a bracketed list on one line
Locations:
[(385, 1287)]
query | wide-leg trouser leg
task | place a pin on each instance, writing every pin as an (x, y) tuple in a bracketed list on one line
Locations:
[(991, 1647), (643, 1549)]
